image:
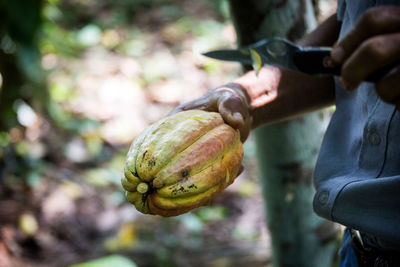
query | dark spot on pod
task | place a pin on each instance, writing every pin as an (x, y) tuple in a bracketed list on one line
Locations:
[(192, 186), (151, 162), (185, 173), (144, 154), (180, 190)]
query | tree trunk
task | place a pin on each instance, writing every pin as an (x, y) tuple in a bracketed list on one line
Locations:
[(287, 151)]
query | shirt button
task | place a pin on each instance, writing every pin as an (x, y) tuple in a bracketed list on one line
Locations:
[(374, 139), (323, 197)]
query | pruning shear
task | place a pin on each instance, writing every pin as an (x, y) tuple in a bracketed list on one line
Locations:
[(283, 53)]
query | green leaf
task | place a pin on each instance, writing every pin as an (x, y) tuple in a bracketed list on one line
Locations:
[(4, 139), (28, 224), (192, 222), (256, 59), (112, 260), (89, 35), (209, 214)]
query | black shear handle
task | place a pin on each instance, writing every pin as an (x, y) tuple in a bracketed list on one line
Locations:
[(317, 62)]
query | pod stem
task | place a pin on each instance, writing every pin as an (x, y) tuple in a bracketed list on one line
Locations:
[(142, 188)]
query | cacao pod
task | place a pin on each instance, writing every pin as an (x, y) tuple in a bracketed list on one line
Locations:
[(181, 162)]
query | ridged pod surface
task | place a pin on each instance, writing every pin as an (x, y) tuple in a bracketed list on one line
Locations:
[(181, 162)]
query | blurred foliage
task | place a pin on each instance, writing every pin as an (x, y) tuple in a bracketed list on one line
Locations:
[(19, 56), (113, 260)]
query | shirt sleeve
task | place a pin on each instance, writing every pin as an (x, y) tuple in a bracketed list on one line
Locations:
[(341, 8), (368, 205)]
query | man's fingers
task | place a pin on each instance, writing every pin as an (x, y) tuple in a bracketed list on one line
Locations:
[(237, 116), (375, 21), (202, 103), (373, 54), (232, 109), (387, 87), (230, 101), (245, 130)]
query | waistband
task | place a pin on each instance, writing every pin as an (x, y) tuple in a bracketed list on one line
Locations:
[(368, 256)]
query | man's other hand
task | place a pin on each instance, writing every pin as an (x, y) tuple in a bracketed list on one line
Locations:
[(231, 101), (372, 44)]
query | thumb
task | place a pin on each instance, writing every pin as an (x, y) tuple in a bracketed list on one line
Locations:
[(232, 110)]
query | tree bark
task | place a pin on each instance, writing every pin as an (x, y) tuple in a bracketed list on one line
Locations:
[(287, 151)]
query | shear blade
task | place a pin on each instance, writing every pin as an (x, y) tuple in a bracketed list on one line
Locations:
[(243, 56)]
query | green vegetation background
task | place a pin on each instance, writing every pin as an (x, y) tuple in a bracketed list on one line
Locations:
[(79, 79)]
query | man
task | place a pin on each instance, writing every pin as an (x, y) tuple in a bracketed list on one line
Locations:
[(358, 171)]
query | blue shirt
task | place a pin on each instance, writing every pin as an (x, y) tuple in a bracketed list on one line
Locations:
[(358, 170)]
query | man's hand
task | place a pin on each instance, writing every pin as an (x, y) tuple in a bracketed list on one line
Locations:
[(231, 101), (373, 43)]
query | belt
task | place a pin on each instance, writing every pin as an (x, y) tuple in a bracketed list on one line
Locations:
[(368, 256)]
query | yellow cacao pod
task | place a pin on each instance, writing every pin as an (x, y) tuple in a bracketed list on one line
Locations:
[(181, 162)]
